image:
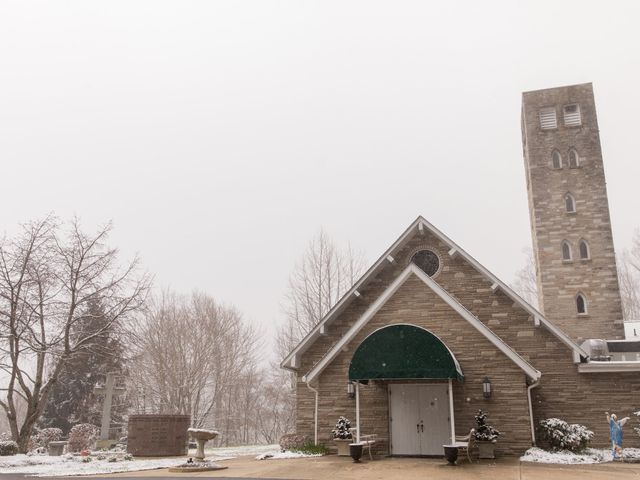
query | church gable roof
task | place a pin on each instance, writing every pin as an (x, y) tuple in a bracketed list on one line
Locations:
[(420, 227), (410, 270)]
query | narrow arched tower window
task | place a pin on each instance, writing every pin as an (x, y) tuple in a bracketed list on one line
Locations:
[(556, 159), (569, 203), (566, 251), (584, 250), (581, 304), (573, 158)]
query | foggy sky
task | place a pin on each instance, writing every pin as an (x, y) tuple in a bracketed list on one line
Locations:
[(221, 136)]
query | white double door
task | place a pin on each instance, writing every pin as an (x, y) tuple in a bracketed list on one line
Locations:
[(419, 418)]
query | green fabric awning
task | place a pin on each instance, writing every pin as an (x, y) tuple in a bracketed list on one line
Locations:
[(403, 351)]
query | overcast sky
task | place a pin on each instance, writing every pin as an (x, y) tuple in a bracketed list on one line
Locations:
[(221, 136)]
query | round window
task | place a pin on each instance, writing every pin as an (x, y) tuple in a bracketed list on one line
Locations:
[(428, 262)]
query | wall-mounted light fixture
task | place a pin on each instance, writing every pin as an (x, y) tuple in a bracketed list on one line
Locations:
[(486, 387), (351, 391)]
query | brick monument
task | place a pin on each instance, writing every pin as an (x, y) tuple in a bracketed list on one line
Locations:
[(158, 435)]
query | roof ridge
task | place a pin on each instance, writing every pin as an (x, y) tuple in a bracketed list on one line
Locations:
[(416, 227), (467, 315)]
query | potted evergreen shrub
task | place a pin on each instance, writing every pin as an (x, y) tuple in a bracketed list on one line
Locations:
[(342, 436), (485, 436)]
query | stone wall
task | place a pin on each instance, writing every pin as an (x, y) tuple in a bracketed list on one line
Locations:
[(563, 392), (559, 281)]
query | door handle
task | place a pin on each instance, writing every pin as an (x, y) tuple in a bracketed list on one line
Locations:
[(422, 427), (417, 427)]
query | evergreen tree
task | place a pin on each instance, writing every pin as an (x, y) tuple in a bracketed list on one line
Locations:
[(72, 399)]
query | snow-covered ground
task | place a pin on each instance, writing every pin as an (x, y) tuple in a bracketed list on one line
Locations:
[(277, 455), (238, 451), (590, 455), (47, 466)]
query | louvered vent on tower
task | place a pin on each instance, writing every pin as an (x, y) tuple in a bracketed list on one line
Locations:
[(572, 115), (548, 118)]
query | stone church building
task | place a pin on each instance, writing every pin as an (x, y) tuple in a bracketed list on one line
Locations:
[(428, 335)]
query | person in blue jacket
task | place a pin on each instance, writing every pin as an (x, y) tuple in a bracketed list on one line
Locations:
[(615, 432)]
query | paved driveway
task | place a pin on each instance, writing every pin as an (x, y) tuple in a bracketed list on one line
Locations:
[(342, 468)]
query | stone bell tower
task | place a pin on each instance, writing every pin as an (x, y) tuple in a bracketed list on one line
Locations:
[(569, 210)]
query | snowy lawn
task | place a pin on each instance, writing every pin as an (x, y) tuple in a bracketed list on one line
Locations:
[(590, 455), (48, 466)]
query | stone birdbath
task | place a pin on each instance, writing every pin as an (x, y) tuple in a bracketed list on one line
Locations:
[(56, 448), (201, 436)]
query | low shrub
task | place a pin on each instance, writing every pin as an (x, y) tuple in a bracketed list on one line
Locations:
[(311, 448), (8, 447), (42, 438), (565, 436), (291, 441), (82, 437)]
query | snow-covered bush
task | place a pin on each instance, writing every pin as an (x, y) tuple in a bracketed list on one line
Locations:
[(82, 437), (565, 436), (8, 447), (43, 437), (291, 441), (484, 432), (343, 429), (5, 436)]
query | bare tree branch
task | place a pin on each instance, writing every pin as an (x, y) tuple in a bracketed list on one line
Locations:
[(46, 280)]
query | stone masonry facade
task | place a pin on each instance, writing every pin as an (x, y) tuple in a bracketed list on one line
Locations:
[(560, 281), (563, 392)]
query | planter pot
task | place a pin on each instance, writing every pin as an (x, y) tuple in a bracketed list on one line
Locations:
[(355, 449), (343, 446), (451, 454), (486, 450)]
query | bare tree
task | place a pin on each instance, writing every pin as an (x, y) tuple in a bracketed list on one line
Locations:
[(191, 355), (629, 279), (324, 273), (275, 413), (47, 281), (322, 276), (525, 283)]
